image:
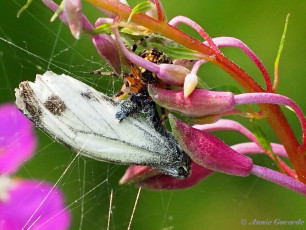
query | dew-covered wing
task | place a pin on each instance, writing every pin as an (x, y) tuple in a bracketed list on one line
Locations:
[(83, 119)]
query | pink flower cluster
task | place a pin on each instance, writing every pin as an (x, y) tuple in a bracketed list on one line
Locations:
[(209, 154)]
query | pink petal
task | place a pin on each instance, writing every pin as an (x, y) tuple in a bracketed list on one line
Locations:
[(209, 151), (17, 139), (24, 208), (144, 177), (107, 49), (136, 173)]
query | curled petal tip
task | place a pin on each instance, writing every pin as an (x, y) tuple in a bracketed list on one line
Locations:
[(209, 151), (190, 83)]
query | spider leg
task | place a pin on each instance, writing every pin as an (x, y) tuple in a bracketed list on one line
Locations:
[(98, 72)]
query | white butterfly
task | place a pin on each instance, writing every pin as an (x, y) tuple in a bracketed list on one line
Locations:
[(83, 119)]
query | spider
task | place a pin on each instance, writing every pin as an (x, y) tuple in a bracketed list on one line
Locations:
[(133, 96)]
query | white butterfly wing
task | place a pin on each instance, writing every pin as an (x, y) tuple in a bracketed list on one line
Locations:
[(84, 120)]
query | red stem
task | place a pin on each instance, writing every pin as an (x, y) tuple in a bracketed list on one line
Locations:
[(160, 11)]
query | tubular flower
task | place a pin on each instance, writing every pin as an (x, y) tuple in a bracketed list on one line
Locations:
[(25, 203), (210, 152), (151, 179), (205, 102)]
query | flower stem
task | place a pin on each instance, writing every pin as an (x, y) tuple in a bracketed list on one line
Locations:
[(275, 117)]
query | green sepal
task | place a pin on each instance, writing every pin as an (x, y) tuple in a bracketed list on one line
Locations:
[(102, 29), (263, 141)]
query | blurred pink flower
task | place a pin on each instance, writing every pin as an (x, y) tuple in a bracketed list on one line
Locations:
[(17, 139), (25, 204), (33, 204)]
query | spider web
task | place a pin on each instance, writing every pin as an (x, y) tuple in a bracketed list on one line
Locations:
[(32, 45)]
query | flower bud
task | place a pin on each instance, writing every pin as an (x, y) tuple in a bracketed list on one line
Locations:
[(190, 83), (199, 103), (209, 151), (106, 47)]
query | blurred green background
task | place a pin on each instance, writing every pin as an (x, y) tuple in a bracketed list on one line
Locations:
[(32, 45)]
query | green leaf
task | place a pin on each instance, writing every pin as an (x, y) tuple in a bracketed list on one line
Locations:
[(141, 8), (282, 42), (280, 49), (263, 141), (24, 8), (130, 32), (179, 52)]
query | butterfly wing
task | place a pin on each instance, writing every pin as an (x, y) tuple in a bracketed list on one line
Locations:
[(83, 119)]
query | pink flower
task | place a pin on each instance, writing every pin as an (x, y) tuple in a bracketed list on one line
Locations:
[(33, 204), (17, 139), (25, 203), (210, 152)]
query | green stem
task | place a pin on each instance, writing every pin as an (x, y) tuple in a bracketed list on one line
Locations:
[(274, 115)]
